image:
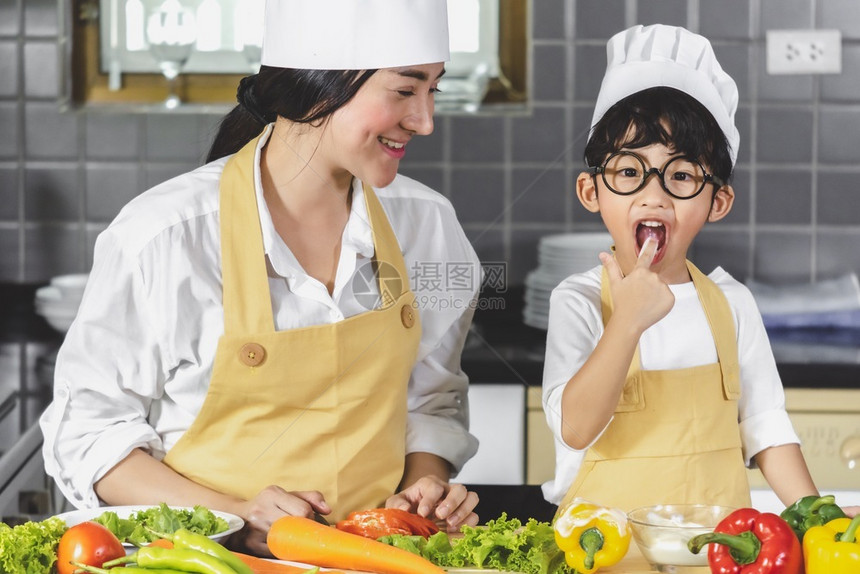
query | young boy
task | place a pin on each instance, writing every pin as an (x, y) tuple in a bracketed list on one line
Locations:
[(660, 385)]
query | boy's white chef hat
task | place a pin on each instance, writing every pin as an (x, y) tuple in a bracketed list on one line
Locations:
[(644, 57), (354, 34)]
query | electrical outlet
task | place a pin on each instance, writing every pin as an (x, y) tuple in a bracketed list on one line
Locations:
[(804, 52)]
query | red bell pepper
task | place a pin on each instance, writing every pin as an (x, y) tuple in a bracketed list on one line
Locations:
[(751, 542)]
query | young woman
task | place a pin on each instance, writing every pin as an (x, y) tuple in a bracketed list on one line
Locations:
[(253, 337)]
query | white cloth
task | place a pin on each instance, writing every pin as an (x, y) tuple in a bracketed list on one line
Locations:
[(825, 296), (681, 339), (134, 367), (355, 34), (644, 57)]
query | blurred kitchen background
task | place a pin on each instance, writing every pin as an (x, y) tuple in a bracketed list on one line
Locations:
[(65, 171), (65, 174)]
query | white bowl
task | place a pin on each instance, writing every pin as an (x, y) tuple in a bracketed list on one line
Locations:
[(48, 293), (661, 532), (57, 311), (59, 320), (71, 287)]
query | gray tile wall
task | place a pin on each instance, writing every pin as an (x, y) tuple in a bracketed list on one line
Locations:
[(64, 175)]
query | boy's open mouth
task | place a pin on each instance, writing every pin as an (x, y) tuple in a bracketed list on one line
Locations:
[(654, 229)]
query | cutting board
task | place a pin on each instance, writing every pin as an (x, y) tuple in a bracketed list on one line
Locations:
[(632, 563)]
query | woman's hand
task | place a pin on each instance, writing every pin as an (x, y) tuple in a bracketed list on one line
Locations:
[(264, 509), (438, 500)]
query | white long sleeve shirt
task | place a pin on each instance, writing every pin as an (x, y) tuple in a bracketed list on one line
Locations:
[(681, 339), (134, 367)]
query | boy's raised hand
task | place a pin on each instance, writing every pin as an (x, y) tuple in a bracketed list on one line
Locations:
[(641, 298)]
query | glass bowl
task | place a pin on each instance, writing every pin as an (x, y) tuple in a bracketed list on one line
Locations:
[(661, 532)]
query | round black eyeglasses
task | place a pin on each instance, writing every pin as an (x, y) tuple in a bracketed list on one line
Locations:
[(625, 173)]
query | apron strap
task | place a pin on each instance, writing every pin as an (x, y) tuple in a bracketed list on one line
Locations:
[(243, 262), (720, 317), (387, 251)]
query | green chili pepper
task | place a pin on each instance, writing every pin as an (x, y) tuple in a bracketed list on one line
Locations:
[(124, 570), (182, 559), (184, 538), (811, 511)]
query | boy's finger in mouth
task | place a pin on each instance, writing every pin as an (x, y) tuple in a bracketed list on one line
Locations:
[(651, 229)]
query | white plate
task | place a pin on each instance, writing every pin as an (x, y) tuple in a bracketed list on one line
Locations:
[(234, 523)]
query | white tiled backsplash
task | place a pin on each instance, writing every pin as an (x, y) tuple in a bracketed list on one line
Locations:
[(63, 175)]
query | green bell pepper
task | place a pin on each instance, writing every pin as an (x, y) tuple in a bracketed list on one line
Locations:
[(811, 511)]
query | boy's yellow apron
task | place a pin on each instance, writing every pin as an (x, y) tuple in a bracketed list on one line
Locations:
[(675, 438), (315, 408)]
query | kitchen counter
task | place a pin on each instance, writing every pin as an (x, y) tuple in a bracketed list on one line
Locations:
[(19, 322), (522, 502), (634, 563), (514, 363), (27, 348), (503, 349)]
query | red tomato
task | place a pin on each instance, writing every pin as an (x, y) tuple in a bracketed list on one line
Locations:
[(87, 543), (379, 522)]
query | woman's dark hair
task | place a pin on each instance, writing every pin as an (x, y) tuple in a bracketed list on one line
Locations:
[(302, 96), (666, 116)]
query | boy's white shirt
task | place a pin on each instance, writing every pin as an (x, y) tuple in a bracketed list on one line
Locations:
[(679, 340)]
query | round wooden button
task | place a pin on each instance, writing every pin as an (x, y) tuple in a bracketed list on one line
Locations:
[(407, 316), (252, 354)]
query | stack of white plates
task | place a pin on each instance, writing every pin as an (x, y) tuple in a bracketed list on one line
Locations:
[(58, 302), (558, 257)]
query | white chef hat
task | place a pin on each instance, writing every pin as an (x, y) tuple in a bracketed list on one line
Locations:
[(354, 34), (644, 57)]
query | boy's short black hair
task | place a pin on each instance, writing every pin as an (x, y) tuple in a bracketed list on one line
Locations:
[(638, 121)]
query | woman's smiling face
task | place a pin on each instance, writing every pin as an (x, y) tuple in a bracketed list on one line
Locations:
[(368, 136), (651, 212)]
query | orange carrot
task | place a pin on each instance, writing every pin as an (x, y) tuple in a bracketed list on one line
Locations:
[(261, 566), (305, 540), (161, 543)]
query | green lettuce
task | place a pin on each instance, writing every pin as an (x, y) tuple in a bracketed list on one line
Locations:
[(144, 526), (501, 544), (30, 548)]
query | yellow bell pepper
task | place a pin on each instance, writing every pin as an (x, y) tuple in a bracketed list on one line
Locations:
[(591, 536), (833, 548)]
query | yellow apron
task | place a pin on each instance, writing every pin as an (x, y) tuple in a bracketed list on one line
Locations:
[(315, 408), (675, 438)]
